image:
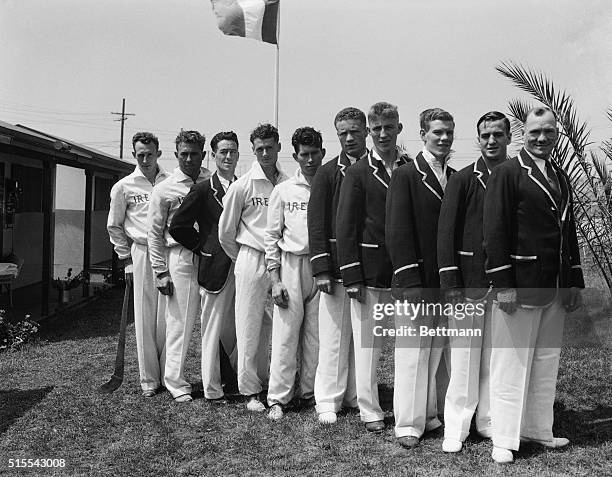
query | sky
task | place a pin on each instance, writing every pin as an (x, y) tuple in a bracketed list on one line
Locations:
[(67, 64)]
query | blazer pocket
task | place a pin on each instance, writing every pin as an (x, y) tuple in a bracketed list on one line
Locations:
[(371, 261), (527, 270)]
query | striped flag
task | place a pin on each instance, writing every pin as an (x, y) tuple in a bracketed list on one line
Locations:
[(257, 19)]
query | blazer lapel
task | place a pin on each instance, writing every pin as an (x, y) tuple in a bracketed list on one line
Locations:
[(481, 172), (428, 177), (217, 188), (565, 190), (343, 163), (534, 173), (376, 166)]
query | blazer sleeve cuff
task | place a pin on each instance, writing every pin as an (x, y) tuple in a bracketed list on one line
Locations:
[(450, 277), (501, 276), (351, 273), (320, 263), (407, 276), (576, 277)]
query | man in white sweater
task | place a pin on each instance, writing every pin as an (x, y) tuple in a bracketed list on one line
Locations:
[(296, 297), (174, 265), (241, 234), (127, 229)]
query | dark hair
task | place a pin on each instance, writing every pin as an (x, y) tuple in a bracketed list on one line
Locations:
[(383, 109), (223, 136), (145, 138), (191, 137), (433, 114), (493, 116), (264, 131), (540, 111), (306, 136), (350, 113)]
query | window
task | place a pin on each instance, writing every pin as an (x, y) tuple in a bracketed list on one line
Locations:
[(102, 188), (29, 187)]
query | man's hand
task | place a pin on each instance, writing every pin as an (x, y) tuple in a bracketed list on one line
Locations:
[(325, 283), (280, 294), (411, 295), (356, 292), (164, 284), (573, 299), (128, 269), (454, 296), (506, 299)]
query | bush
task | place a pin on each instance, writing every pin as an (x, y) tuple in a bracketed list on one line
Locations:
[(13, 335)]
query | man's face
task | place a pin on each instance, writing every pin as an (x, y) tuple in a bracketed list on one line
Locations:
[(540, 134), (266, 151), (190, 158), (384, 131), (352, 134), (146, 156), (309, 158), (438, 139), (226, 156), (494, 140)]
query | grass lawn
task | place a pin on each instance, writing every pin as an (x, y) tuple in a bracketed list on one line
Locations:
[(49, 408)]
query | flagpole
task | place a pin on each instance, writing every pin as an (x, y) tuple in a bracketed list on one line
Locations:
[(277, 70)]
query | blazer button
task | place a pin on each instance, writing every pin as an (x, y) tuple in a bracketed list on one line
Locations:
[(552, 208)]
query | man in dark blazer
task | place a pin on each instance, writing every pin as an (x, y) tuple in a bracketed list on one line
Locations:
[(362, 255), (533, 262), (462, 276), (413, 205), (335, 376), (203, 206)]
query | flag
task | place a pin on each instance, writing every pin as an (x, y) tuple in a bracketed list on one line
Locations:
[(257, 19)]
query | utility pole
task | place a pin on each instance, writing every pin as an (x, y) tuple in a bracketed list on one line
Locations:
[(123, 118)]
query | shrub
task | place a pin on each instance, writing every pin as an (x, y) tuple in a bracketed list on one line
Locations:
[(13, 335)]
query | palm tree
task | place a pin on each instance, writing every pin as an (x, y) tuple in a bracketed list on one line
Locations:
[(589, 174)]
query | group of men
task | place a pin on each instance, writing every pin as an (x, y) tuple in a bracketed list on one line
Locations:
[(304, 265)]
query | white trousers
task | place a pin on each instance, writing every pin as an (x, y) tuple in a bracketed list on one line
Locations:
[(416, 363), (468, 389), (181, 314), (295, 333), (368, 347), (334, 385), (524, 365), (149, 320), (218, 325), (253, 320)]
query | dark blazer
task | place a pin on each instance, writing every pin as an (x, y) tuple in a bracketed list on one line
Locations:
[(530, 239), (360, 224), (461, 257), (413, 207), (322, 207), (203, 205)]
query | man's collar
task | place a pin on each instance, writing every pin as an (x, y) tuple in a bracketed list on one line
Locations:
[(161, 172), (537, 160), (182, 177), (375, 155), (430, 158), (258, 172), (354, 159)]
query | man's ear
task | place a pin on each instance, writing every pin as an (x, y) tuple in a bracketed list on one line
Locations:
[(323, 151), (134, 154), (176, 154), (279, 147), (422, 134), (400, 127), (295, 156), (159, 153)]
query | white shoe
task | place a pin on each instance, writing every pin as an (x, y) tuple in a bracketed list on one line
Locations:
[(555, 443), (255, 405), (183, 398), (501, 455), (276, 412), (451, 445), (328, 417)]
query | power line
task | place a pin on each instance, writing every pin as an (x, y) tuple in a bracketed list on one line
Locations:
[(123, 119)]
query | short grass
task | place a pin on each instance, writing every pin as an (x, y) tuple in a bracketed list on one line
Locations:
[(49, 408)]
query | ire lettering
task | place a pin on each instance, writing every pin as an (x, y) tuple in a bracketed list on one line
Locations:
[(259, 201)]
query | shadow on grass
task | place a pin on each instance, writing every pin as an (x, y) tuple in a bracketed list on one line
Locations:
[(99, 318), (15, 403)]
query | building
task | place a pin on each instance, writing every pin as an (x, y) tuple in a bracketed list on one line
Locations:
[(54, 200)]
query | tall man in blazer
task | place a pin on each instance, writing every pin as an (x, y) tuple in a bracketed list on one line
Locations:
[(242, 227), (203, 205), (362, 255), (335, 376), (413, 205), (462, 277), (534, 263)]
